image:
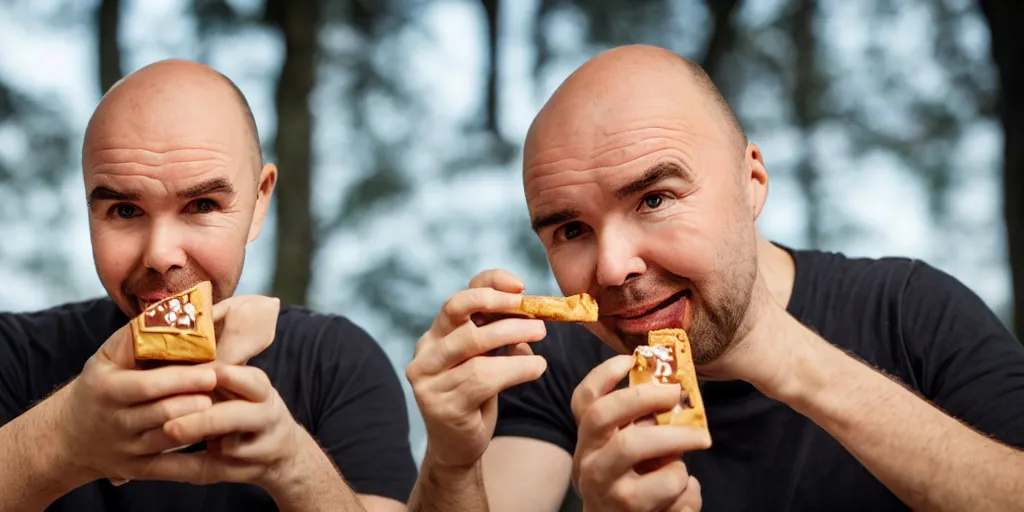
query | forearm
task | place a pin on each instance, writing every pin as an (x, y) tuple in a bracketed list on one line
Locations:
[(449, 490), (35, 469), (928, 459), (312, 484)]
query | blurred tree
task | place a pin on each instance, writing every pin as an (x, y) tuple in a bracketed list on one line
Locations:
[(108, 21), (1007, 46), (34, 161), (299, 22)]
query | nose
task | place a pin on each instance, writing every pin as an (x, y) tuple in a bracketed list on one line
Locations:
[(617, 258), (164, 251)]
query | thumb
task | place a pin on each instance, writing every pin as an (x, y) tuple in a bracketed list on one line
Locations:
[(246, 325), (119, 348)]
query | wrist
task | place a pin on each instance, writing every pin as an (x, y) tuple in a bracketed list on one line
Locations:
[(450, 475), (49, 460), (306, 464), (797, 357)]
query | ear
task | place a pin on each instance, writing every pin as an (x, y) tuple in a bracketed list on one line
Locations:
[(264, 191), (757, 178)]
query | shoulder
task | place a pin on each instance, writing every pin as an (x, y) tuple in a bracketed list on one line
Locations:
[(89, 319), (854, 273), (329, 347), (309, 329)]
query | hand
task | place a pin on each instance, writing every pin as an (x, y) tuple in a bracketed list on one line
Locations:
[(256, 438), (767, 347), (455, 383), (111, 415), (611, 449), (114, 413)]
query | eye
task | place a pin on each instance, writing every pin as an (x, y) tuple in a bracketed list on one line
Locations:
[(204, 206), (125, 210), (571, 230), (653, 201)]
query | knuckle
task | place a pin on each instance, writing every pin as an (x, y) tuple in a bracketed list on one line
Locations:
[(120, 419), (448, 309), (580, 400), (622, 495), (261, 376)]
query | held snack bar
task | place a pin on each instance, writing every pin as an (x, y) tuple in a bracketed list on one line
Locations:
[(575, 308), (666, 360), (178, 328)]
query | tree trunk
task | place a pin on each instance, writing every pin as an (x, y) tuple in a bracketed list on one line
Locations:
[(806, 89), (491, 8), (299, 23), (723, 36), (1008, 54), (108, 19)]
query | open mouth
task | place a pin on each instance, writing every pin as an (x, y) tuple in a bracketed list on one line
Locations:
[(661, 305)]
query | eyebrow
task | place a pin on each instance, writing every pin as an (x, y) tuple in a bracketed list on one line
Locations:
[(209, 187), (656, 174), (109, 194), (550, 219)]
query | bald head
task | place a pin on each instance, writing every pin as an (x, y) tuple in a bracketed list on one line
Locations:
[(172, 99), (644, 191), (624, 86), (175, 183)]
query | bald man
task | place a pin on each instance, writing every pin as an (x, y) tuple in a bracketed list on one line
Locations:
[(176, 188), (819, 372)]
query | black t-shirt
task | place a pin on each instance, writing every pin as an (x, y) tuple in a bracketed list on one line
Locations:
[(335, 379), (901, 316)]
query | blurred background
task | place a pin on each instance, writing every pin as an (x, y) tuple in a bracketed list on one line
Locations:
[(397, 126)]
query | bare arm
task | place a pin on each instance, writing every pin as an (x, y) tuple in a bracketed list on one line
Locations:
[(928, 459), (446, 489), (313, 485), (373, 503), (525, 474), (35, 470)]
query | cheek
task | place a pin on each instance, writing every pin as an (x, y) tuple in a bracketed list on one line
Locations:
[(218, 253), (116, 254), (574, 266), (685, 246)]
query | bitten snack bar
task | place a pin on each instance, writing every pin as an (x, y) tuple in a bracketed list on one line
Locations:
[(666, 360), (178, 328), (575, 308)]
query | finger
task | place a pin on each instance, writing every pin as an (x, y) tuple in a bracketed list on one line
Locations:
[(154, 441), (621, 407), (151, 415), (499, 280), (232, 416), (469, 341), (482, 378), (246, 382), (457, 310), (691, 499), (245, 326), (602, 379), (247, 447), (633, 445), (119, 349), (653, 491), (129, 387), (194, 468)]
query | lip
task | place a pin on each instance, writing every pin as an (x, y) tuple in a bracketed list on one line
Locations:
[(670, 313)]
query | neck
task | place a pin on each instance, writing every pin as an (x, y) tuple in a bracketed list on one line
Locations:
[(777, 268)]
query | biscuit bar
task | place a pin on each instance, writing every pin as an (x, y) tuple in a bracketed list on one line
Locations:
[(667, 360), (575, 308), (178, 328)]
